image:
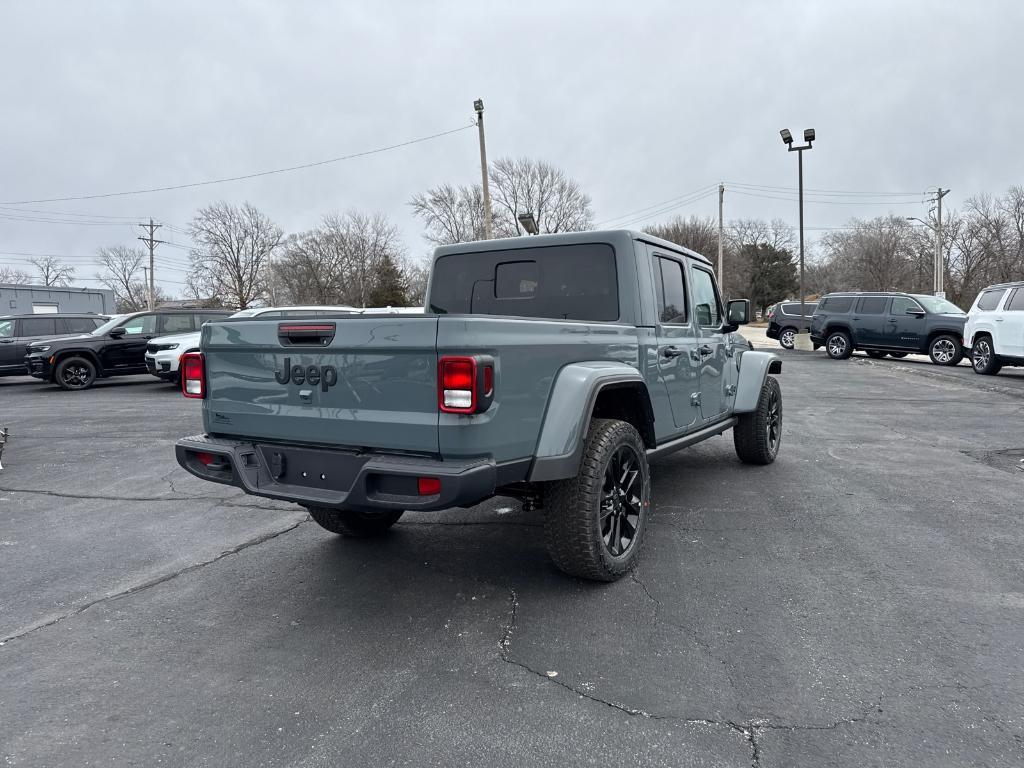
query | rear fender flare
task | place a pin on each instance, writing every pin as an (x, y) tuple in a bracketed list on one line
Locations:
[(754, 366), (563, 431)]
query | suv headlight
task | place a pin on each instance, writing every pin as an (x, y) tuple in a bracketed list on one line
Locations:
[(44, 348), (165, 347)]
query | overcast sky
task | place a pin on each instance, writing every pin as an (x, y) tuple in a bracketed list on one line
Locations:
[(642, 102)]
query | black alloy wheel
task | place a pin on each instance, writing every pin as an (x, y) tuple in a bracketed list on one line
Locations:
[(621, 501), (74, 373)]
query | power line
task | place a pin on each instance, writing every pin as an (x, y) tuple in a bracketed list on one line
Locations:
[(242, 177), (69, 213), (654, 205), (824, 191), (791, 199)]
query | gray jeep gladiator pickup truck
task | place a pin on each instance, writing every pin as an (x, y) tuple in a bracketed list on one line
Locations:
[(549, 368)]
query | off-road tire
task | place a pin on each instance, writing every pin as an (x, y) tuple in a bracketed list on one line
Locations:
[(939, 350), (758, 435), (787, 337), (875, 354), (573, 508), (356, 525), (983, 357), (74, 373), (838, 345)]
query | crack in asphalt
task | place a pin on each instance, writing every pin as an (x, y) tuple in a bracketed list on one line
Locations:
[(151, 582), (223, 500)]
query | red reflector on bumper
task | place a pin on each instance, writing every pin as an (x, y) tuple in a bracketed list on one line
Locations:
[(206, 459), (429, 486)]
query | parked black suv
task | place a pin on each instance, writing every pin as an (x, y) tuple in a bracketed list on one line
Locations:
[(785, 320), (16, 331), (896, 324), (117, 348)]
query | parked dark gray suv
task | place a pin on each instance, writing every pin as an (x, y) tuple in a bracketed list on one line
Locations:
[(894, 324), (16, 331)]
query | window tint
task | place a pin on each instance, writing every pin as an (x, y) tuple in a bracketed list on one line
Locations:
[(143, 324), (840, 304), (873, 305), (38, 326), (793, 308), (574, 282), (990, 299), (80, 324), (6, 329), (900, 305), (706, 305), (1016, 302), (671, 291), (175, 323)]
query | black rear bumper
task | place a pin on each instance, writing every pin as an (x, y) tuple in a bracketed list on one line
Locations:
[(336, 478)]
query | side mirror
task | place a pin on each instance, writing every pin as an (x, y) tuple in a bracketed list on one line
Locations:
[(116, 333), (738, 312)]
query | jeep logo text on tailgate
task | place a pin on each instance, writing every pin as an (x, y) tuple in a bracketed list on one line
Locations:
[(324, 375)]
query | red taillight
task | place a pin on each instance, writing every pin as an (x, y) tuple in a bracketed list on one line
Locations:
[(192, 371), (428, 486), (206, 459), (465, 384)]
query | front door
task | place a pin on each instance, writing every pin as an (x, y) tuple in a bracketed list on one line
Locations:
[(904, 329), (869, 319), (129, 352), (678, 360), (711, 349)]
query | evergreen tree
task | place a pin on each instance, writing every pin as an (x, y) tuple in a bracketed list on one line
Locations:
[(389, 286)]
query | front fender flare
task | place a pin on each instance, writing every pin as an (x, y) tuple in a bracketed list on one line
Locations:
[(567, 418), (754, 366)]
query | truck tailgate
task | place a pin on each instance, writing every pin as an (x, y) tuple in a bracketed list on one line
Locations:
[(366, 382)]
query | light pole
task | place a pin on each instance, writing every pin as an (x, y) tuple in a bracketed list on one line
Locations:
[(529, 223), (478, 105), (787, 139)]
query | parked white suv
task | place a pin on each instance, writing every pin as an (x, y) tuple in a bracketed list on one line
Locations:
[(995, 328), (164, 353)]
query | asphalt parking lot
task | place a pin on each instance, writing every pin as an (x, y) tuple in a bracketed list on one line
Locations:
[(858, 603)]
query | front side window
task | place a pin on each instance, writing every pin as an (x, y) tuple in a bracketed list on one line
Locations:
[(1016, 302), (143, 324), (706, 305), (990, 299), (940, 306), (671, 291), (873, 305), (6, 329), (901, 305), (38, 326)]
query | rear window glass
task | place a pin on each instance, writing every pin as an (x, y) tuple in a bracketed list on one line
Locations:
[(38, 326), (794, 308), (990, 299), (873, 305), (81, 324), (571, 282), (838, 304)]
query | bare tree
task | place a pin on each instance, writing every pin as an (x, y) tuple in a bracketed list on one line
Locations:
[(451, 214), (416, 276), (122, 273), (12, 276), (234, 246), (52, 271)]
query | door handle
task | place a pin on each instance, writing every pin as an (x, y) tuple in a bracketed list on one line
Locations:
[(6, 341), (705, 350), (671, 351), (999, 319)]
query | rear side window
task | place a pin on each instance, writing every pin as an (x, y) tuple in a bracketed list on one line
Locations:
[(571, 282), (80, 324), (793, 308), (38, 326), (990, 299), (671, 291), (838, 304), (1016, 302), (873, 305), (176, 323)]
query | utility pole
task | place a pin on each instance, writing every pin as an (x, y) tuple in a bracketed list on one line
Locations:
[(721, 200), (940, 270), (152, 242), (478, 105)]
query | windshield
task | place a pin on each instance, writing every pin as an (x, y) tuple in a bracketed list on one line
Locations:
[(935, 304), (104, 329)]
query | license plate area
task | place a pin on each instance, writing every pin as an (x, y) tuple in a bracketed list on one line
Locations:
[(310, 467)]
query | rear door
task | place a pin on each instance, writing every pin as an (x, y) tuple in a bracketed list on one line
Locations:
[(711, 348), (33, 329), (1011, 332), (678, 359), (904, 328), (869, 319), (360, 382)]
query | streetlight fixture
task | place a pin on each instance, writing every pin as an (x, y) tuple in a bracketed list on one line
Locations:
[(529, 223), (787, 139)]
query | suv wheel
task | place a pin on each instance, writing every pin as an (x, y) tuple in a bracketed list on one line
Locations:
[(758, 435), (787, 338), (945, 350), (357, 525), (838, 345), (594, 523), (75, 373), (983, 357)]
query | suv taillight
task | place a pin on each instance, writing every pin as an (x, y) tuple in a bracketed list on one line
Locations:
[(465, 384), (192, 371)]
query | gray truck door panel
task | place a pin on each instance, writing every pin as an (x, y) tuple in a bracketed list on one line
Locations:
[(677, 361), (712, 347)]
